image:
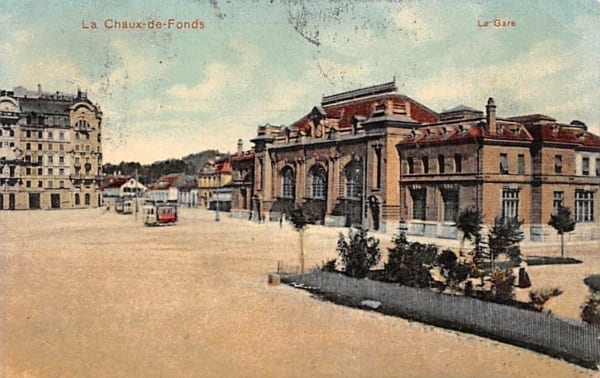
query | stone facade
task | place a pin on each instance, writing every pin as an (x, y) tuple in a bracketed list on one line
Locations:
[(51, 150), (379, 159)]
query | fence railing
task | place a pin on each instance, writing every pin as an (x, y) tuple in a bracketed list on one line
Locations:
[(542, 332)]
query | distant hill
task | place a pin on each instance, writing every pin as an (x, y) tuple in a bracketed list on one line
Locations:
[(148, 173)]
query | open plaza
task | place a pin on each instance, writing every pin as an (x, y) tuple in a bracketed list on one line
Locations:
[(90, 292)]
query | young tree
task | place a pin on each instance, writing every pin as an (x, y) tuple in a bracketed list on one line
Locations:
[(299, 222), (469, 222), (504, 237), (359, 253), (409, 263), (562, 222)]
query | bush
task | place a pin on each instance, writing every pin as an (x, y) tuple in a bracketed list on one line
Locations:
[(359, 253), (539, 297), (593, 282), (504, 237), (329, 265), (409, 263), (502, 284)]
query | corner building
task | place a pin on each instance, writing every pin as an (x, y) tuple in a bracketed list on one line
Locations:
[(377, 158), (50, 150)]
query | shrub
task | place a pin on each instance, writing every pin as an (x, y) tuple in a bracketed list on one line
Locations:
[(590, 312), (329, 265), (359, 253), (504, 237), (502, 284), (539, 297), (454, 271), (409, 263)]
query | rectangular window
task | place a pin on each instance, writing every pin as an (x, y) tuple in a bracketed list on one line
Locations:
[(61, 160), (50, 172), (425, 161), (521, 164), (503, 164), (39, 146), (597, 166), (419, 203), (61, 171), (450, 198), (61, 184), (510, 203), (40, 172), (39, 160), (557, 201), (61, 136), (441, 163), (61, 147), (457, 163), (584, 206), (50, 184), (50, 147), (28, 134), (585, 166), (28, 146), (40, 135), (28, 184), (50, 159), (50, 136), (28, 171), (558, 164), (411, 165), (39, 184)]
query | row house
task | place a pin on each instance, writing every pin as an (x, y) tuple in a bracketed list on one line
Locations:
[(50, 150), (214, 179), (376, 158)]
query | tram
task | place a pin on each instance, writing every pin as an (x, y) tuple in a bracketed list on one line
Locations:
[(160, 214)]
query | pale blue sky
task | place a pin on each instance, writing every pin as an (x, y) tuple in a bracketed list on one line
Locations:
[(167, 93)]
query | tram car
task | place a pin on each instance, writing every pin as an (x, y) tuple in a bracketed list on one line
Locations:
[(127, 206), (119, 205), (160, 214)]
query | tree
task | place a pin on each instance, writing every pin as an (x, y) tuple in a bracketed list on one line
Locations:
[(469, 222), (504, 237), (563, 222), (359, 253), (299, 222), (409, 263)]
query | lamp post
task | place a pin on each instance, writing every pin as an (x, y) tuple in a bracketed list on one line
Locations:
[(217, 196)]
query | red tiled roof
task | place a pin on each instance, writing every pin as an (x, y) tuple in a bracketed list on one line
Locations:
[(364, 107), (114, 181), (243, 157), (556, 133)]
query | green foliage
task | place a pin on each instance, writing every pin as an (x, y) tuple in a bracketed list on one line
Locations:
[(503, 284), (539, 297), (593, 282), (409, 263), (562, 221), (149, 173), (454, 271), (590, 312), (297, 219), (359, 253), (504, 237), (329, 265), (469, 222)]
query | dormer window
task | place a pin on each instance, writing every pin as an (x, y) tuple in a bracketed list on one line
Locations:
[(82, 124)]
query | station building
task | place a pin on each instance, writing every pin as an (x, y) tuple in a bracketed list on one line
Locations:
[(377, 158)]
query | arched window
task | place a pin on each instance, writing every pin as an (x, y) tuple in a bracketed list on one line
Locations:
[(318, 182), (354, 179), (87, 198), (287, 183), (82, 124), (77, 201)]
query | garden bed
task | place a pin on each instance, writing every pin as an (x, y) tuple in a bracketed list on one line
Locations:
[(577, 343)]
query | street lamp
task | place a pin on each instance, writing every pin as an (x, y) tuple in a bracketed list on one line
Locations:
[(217, 195)]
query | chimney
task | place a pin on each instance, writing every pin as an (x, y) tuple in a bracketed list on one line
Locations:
[(491, 116), (240, 146), (39, 92)]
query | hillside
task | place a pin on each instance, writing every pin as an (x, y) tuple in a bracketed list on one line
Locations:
[(151, 172)]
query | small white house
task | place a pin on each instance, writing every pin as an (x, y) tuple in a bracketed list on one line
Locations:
[(132, 188)]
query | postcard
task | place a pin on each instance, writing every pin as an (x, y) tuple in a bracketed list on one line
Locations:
[(299, 188)]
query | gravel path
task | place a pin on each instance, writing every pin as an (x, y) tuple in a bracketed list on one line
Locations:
[(93, 293)]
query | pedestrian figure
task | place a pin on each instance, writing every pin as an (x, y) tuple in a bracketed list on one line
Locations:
[(524, 281), (281, 221)]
